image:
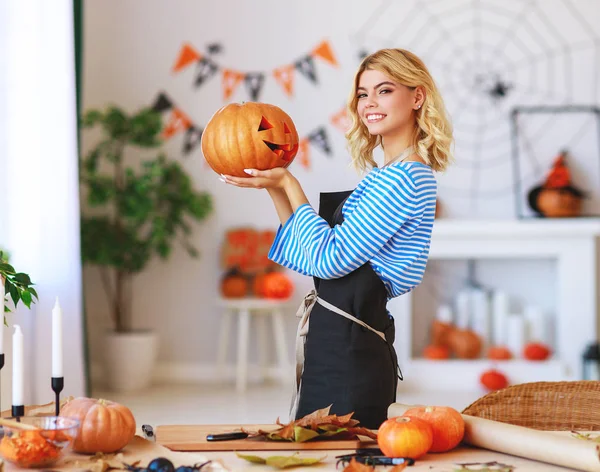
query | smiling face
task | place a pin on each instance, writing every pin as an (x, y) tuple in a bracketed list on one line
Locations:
[(385, 106)]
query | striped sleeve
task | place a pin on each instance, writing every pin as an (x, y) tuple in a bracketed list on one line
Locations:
[(307, 244)]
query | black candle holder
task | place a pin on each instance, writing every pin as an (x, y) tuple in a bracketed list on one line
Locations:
[(1, 365), (58, 383), (18, 411)]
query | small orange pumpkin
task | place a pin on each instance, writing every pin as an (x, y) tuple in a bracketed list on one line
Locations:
[(493, 380), (250, 135), (499, 353), (278, 286), (105, 426), (433, 352), (234, 285), (404, 436), (446, 423), (536, 352), (465, 344), (440, 333)]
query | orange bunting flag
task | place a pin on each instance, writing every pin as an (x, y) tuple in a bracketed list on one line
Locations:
[(341, 120), (231, 79), (324, 52), (285, 77), (187, 55), (178, 121), (304, 153)]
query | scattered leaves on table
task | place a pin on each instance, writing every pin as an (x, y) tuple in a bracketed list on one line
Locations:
[(484, 467), (282, 462), (586, 436), (99, 462), (355, 466), (317, 425)]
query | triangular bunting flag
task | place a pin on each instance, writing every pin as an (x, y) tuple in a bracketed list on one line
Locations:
[(285, 77), (306, 67), (303, 155), (192, 138), (324, 52), (177, 122), (341, 120), (162, 103), (254, 82), (319, 138), (231, 79), (206, 69), (187, 55)]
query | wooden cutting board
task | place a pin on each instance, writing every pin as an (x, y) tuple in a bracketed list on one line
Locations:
[(193, 438)]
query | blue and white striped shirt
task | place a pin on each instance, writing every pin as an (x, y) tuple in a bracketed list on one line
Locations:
[(388, 221)]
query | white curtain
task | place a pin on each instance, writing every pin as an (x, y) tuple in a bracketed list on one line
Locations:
[(40, 186)]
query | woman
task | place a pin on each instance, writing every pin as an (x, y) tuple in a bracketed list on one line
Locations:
[(365, 246)]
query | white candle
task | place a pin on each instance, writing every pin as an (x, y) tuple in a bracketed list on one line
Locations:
[(537, 324), (2, 312), (57, 350), (444, 314), (499, 313), (18, 377), (481, 314), (463, 309), (515, 334)]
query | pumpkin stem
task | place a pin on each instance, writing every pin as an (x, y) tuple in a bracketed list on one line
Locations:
[(402, 419), (428, 409)]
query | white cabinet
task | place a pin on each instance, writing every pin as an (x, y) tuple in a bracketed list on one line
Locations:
[(571, 245)]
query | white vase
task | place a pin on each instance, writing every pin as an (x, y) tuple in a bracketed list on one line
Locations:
[(129, 360)]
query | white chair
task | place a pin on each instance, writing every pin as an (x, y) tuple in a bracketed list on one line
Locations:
[(260, 309)]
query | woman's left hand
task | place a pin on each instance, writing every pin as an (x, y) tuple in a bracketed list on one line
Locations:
[(259, 179)]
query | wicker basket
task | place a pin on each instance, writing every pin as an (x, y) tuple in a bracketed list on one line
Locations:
[(549, 406)]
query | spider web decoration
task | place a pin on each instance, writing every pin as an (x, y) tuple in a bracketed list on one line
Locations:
[(489, 57)]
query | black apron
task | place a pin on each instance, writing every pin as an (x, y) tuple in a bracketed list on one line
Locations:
[(346, 365)]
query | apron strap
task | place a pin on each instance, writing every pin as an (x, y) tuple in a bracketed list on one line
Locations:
[(303, 313)]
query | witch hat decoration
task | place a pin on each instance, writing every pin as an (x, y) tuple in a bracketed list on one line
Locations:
[(557, 196)]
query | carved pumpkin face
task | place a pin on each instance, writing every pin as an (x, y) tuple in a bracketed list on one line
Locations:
[(249, 136)]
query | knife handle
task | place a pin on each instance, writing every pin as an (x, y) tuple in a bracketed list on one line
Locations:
[(227, 436)]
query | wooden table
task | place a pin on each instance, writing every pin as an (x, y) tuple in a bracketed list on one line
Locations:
[(143, 450)]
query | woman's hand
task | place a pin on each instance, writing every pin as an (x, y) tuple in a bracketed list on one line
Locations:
[(276, 178)]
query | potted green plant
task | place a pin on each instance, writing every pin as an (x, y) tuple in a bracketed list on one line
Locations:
[(132, 213), (17, 285)]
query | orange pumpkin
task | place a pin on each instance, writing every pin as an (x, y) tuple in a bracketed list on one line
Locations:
[(446, 423), (234, 285), (433, 352), (278, 286), (466, 344), (105, 426), (249, 136), (493, 380), (440, 333), (536, 352), (499, 353), (405, 437)]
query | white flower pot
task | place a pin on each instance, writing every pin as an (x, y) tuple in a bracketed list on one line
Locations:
[(129, 360)]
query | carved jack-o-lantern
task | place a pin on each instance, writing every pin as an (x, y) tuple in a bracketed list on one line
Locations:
[(249, 136)]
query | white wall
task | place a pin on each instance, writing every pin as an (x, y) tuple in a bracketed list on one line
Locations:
[(547, 52)]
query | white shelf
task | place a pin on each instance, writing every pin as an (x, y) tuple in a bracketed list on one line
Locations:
[(571, 243), (459, 375)]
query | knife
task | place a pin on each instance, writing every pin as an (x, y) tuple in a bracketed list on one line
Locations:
[(227, 436)]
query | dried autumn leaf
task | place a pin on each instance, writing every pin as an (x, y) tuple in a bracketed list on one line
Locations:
[(355, 466), (484, 467), (586, 436), (282, 462), (398, 467)]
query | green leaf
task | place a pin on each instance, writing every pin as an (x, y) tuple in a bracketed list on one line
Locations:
[(282, 462), (6, 268), (26, 298), (14, 292), (22, 278), (303, 434), (33, 292)]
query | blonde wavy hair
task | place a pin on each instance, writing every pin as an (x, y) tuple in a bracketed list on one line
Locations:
[(433, 132)]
